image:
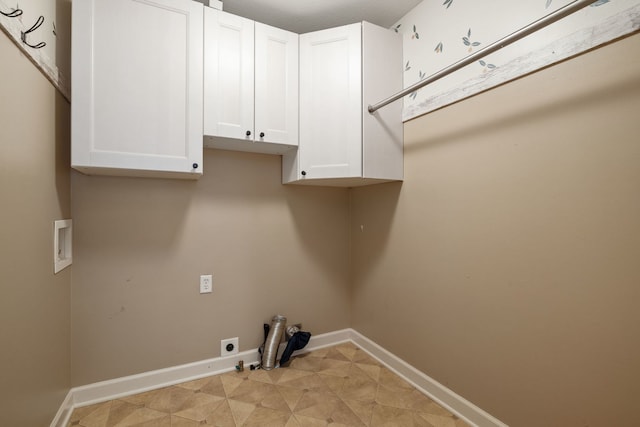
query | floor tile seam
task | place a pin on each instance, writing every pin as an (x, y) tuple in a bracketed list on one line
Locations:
[(378, 402), (184, 419), (216, 406), (341, 401), (233, 415), (366, 423), (338, 398), (97, 406), (209, 394), (174, 411), (289, 414), (416, 411), (122, 401), (278, 388), (157, 416)]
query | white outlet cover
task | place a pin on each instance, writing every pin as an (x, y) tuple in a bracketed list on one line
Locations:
[(206, 284), (223, 346)]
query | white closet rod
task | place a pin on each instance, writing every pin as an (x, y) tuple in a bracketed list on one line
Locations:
[(515, 36)]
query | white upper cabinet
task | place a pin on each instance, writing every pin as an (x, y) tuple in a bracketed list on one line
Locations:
[(137, 87), (342, 71), (276, 90), (331, 97), (228, 75), (251, 85)]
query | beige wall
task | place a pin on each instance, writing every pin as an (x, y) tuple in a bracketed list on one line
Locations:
[(507, 265), (34, 191), (141, 245)]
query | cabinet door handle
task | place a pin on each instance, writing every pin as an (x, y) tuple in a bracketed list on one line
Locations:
[(261, 134), (248, 133), (304, 173), (195, 165)]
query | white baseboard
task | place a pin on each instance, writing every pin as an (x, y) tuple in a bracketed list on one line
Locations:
[(134, 384), (64, 412), (120, 387)]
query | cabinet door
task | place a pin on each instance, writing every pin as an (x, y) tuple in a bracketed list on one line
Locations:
[(276, 85), (330, 103), (228, 68), (137, 87)]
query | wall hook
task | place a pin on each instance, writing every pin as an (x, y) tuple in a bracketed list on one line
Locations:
[(23, 34), (13, 14)]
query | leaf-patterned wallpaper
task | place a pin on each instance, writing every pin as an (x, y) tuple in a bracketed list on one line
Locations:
[(438, 33)]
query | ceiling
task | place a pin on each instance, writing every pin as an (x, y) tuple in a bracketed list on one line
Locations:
[(303, 16)]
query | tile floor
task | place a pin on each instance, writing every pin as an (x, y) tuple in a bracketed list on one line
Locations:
[(335, 386)]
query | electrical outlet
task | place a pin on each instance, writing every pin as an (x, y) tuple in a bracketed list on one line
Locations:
[(206, 284), (229, 346)]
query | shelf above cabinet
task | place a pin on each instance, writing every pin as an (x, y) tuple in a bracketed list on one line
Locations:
[(248, 146)]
